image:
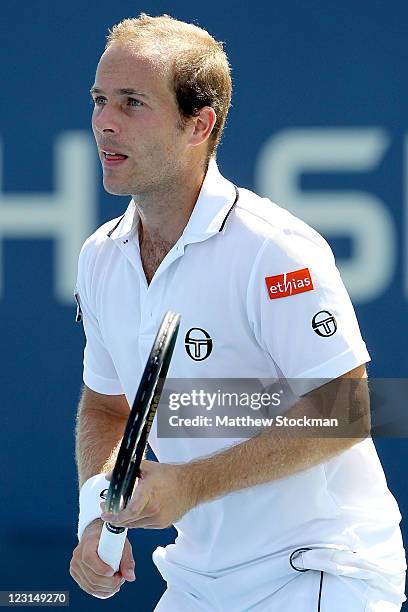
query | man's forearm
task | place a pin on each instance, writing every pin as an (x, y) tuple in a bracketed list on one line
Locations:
[(272, 455), (97, 440), (258, 460)]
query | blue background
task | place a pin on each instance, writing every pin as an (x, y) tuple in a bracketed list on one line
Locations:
[(295, 65)]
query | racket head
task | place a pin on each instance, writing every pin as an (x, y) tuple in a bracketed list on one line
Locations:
[(141, 416)]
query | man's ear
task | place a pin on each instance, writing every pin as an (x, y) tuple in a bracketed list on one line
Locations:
[(203, 125)]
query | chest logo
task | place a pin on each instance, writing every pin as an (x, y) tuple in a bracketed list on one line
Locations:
[(198, 344), (289, 283)]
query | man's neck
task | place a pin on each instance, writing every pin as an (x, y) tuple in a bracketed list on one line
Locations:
[(164, 214)]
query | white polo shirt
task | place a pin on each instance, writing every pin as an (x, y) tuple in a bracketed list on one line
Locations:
[(262, 290)]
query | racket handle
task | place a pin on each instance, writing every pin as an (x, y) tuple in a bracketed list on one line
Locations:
[(110, 547)]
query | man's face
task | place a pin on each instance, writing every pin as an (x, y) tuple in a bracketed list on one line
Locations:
[(136, 117)]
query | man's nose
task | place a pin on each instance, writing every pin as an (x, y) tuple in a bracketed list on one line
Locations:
[(106, 121)]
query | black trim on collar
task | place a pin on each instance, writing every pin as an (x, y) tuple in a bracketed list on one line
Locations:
[(113, 229), (222, 224), (230, 210)]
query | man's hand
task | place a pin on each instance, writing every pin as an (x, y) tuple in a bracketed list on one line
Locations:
[(160, 498), (91, 573)]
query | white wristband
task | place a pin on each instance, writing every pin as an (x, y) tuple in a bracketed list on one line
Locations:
[(89, 501)]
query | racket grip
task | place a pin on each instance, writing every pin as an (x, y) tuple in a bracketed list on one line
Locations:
[(110, 547)]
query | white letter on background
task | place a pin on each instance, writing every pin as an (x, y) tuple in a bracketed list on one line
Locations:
[(358, 215), (67, 215)]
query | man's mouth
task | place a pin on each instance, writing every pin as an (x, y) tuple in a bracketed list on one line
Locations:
[(112, 158)]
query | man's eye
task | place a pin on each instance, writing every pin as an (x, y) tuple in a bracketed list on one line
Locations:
[(134, 102), (99, 100)]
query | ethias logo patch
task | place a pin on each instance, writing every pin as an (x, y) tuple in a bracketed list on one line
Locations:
[(289, 283)]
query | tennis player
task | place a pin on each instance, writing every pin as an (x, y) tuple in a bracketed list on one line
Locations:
[(270, 523)]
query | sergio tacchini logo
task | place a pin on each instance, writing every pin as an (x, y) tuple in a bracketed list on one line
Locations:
[(324, 324), (198, 343)]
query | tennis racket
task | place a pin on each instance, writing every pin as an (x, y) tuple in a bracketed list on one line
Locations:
[(133, 445)]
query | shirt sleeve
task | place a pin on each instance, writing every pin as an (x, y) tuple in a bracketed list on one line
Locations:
[(300, 310), (99, 373)]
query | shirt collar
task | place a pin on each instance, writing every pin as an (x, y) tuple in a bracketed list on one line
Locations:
[(126, 224), (216, 200)]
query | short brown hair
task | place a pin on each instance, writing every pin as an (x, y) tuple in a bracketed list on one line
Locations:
[(200, 72)]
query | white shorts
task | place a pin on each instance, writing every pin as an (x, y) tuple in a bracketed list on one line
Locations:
[(311, 591)]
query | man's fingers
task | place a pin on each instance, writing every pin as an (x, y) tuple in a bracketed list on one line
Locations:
[(136, 508), (127, 564), (102, 591), (91, 573), (96, 581), (91, 559), (145, 524), (86, 551), (127, 520), (141, 507)]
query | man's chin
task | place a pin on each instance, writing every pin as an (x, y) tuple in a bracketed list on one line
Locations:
[(116, 189)]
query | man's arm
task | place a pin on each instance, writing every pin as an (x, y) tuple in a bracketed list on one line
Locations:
[(101, 420), (275, 454), (166, 492)]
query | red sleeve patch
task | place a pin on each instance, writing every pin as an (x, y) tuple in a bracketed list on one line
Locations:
[(289, 283)]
